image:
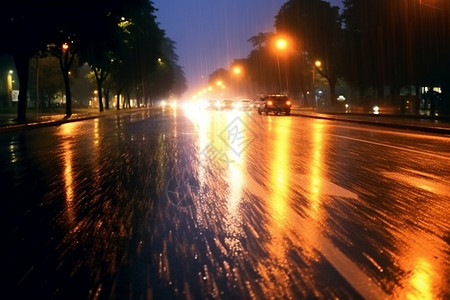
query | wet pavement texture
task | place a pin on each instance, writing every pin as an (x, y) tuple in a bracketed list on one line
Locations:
[(173, 204)]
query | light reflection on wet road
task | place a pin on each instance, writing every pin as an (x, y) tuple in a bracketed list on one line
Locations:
[(225, 205)]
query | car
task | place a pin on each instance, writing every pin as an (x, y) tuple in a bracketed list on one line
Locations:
[(227, 104), (258, 102), (244, 104), (276, 104), (212, 104)]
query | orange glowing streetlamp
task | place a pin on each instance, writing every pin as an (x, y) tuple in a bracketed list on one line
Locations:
[(281, 43), (317, 64), (237, 72)]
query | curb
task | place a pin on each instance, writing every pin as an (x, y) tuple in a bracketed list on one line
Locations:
[(429, 129), (63, 120), (41, 124)]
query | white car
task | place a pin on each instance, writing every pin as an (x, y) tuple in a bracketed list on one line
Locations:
[(244, 104)]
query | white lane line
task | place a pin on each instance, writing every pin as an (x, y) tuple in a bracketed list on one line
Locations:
[(349, 270), (421, 152), (352, 273), (402, 133), (326, 187)]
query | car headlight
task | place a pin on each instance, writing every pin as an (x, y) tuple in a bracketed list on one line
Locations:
[(376, 109)]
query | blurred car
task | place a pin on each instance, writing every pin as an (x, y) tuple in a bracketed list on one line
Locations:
[(168, 103), (244, 104), (212, 104), (277, 104), (258, 102), (227, 104)]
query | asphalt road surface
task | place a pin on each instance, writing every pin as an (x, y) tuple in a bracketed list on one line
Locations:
[(189, 204)]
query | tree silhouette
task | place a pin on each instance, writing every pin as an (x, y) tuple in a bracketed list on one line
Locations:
[(84, 26), (395, 43), (315, 27)]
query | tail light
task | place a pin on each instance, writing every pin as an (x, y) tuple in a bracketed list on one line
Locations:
[(269, 102), (288, 102)]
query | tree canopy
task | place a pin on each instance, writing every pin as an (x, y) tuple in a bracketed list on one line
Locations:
[(105, 34), (376, 47)]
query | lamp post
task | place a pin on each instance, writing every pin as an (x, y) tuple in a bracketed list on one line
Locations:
[(281, 45), (317, 64), (237, 71)]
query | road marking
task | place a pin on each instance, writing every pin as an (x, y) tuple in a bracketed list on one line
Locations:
[(326, 187), (394, 147), (359, 280), (351, 272), (400, 133)]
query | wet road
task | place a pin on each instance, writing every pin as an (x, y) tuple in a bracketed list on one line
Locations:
[(224, 205)]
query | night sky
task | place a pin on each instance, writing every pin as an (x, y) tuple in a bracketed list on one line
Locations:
[(210, 34)]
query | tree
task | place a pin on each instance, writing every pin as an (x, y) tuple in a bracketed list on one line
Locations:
[(136, 58), (177, 78), (50, 79), (316, 30), (31, 26), (396, 43), (262, 64), (25, 28)]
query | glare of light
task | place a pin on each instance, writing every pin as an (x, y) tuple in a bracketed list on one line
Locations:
[(318, 63), (421, 280), (376, 110), (316, 184), (68, 130), (278, 203), (347, 108), (96, 132), (280, 171), (235, 171), (281, 44), (237, 70), (433, 4)]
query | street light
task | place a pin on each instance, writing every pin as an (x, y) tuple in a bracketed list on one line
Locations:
[(281, 45), (317, 64), (237, 72)]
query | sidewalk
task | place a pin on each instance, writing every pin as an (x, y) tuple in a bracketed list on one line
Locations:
[(408, 122), (8, 121)]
